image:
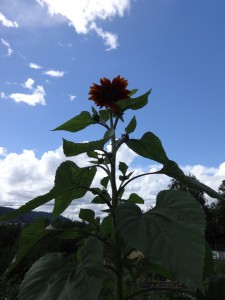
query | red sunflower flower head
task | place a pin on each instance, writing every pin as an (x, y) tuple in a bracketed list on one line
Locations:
[(108, 93)]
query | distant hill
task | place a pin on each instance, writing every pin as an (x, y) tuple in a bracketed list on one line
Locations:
[(29, 217)]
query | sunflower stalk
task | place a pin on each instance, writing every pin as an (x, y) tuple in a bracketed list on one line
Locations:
[(118, 256)]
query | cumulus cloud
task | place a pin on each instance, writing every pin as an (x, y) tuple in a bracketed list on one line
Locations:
[(7, 23), (34, 66), (7, 45), (34, 176), (53, 73), (83, 15), (24, 176), (29, 84), (37, 97)]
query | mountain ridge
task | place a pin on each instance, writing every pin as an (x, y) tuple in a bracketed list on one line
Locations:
[(29, 217)]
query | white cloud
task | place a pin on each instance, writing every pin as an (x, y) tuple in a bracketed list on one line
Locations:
[(54, 73), (83, 15), (37, 97), (3, 95), (6, 44), (30, 173), (34, 66), (3, 151), (28, 14), (72, 97), (110, 39), (29, 84), (7, 23), (24, 176)]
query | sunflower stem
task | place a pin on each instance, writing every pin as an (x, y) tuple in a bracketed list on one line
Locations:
[(118, 256)]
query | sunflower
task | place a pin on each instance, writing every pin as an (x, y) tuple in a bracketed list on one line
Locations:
[(108, 93)]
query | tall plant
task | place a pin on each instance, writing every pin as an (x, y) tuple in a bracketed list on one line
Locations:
[(116, 251)]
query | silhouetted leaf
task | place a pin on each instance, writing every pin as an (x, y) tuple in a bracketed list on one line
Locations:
[(131, 126), (149, 146), (46, 279), (171, 169), (77, 123), (28, 237), (53, 278), (86, 280), (134, 198), (71, 182), (123, 167), (104, 181), (87, 215), (171, 234), (73, 149), (134, 103)]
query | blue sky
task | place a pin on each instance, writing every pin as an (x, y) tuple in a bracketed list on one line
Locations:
[(52, 51)]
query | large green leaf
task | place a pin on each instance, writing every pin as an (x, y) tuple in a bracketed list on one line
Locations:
[(77, 123), (28, 237), (73, 149), (171, 234), (86, 280), (53, 278), (148, 146), (134, 103), (71, 182), (171, 169), (46, 279)]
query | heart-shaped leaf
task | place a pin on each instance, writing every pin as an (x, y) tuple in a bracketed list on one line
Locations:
[(170, 235)]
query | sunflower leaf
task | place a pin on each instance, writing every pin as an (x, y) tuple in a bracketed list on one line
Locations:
[(171, 169), (134, 103), (77, 123), (71, 182), (131, 126), (104, 114), (87, 215), (46, 278), (149, 146), (134, 198), (134, 91), (28, 237), (171, 234), (73, 149)]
